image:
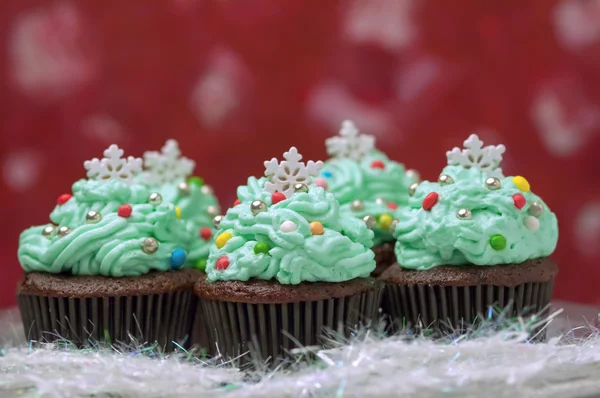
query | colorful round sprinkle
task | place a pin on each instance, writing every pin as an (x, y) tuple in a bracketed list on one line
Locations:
[(277, 197), (316, 228), (498, 242), (430, 200), (531, 223), (377, 164), (321, 182), (222, 239), (384, 221), (288, 226), (392, 206), (195, 180), (327, 174), (124, 211), (521, 183), (64, 198), (237, 202), (519, 201), (200, 264), (261, 248), (177, 212), (178, 257), (205, 233), (222, 263)]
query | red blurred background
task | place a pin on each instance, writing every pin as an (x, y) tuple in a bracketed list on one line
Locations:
[(240, 81)]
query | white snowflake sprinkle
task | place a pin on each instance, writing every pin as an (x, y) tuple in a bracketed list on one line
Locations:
[(487, 159), (282, 176), (167, 165), (113, 166), (350, 144)]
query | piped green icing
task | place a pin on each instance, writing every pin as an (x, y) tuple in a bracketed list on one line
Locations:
[(341, 253), (426, 239), (112, 246), (351, 180)]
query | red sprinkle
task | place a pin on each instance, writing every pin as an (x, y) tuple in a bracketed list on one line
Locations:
[(237, 202), (430, 200), (64, 198), (277, 197), (377, 164), (519, 200), (205, 233), (392, 205), (124, 211), (222, 263), (321, 182)]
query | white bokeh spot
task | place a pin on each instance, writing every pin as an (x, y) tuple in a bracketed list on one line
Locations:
[(113, 166), (167, 165), (350, 144), (487, 159), (282, 176)]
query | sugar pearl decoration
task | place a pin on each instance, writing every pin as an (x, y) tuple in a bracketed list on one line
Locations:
[(207, 190), (464, 214), (93, 217), (413, 174), (64, 231), (531, 223), (288, 226), (212, 211), (445, 179), (316, 228), (217, 221), (49, 231), (155, 199), (258, 206), (149, 245), (492, 183), (300, 187), (536, 209), (357, 205), (380, 201), (413, 188), (184, 188), (370, 221)]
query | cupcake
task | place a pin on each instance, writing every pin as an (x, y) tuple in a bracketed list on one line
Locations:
[(368, 185), (110, 265), (286, 264), (170, 175), (472, 241)]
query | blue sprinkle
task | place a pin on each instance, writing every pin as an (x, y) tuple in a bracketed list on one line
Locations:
[(326, 174), (178, 257)]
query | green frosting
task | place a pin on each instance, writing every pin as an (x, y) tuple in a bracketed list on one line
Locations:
[(112, 246), (351, 180), (497, 232), (341, 253)]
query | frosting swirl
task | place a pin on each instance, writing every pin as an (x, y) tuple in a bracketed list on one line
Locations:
[(508, 225), (339, 253)]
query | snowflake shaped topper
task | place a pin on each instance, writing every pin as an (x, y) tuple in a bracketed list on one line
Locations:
[(113, 166), (167, 165), (282, 176), (487, 159), (350, 144)]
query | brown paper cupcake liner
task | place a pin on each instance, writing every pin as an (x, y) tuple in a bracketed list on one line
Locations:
[(460, 308), (165, 319), (249, 331)]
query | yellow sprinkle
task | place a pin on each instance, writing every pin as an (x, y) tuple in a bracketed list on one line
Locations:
[(316, 228), (222, 239), (521, 183), (177, 212), (384, 221)]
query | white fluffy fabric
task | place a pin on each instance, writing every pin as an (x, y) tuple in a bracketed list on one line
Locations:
[(502, 364)]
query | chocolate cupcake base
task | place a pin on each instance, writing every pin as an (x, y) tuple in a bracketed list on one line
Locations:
[(455, 299), (265, 320), (85, 310), (384, 257)]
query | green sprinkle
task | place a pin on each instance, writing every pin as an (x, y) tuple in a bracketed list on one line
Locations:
[(201, 264), (498, 242), (261, 248), (196, 181)]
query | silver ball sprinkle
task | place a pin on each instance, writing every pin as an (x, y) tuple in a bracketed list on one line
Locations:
[(493, 183), (150, 245), (300, 187), (206, 190), (64, 231), (536, 209), (155, 199), (413, 188), (370, 221), (184, 188), (212, 211), (93, 217), (445, 179), (217, 221), (464, 214), (393, 226), (380, 201), (413, 175), (357, 205), (258, 206), (49, 231)]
